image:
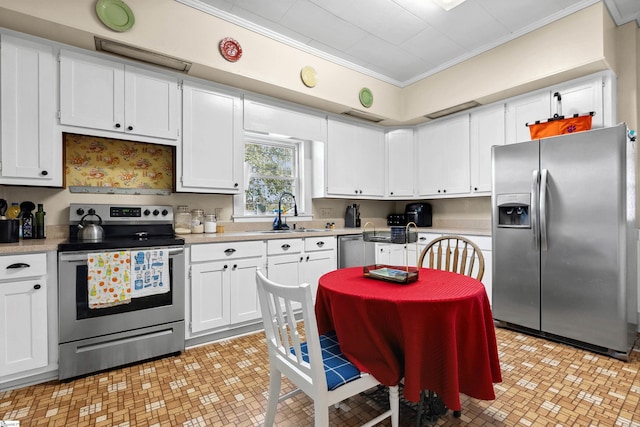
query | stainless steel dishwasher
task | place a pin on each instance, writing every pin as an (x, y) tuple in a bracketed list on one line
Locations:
[(353, 251)]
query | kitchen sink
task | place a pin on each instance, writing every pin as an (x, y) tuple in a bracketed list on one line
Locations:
[(299, 230)]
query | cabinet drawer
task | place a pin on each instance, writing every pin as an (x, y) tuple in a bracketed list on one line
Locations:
[(25, 265), (426, 238), (223, 251), (323, 243), (284, 246)]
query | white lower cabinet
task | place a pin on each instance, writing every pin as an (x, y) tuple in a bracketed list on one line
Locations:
[(484, 243), (395, 254), (23, 304), (223, 284), (319, 258), (403, 254), (295, 261)]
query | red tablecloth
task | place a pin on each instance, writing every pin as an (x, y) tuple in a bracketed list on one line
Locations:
[(437, 332)]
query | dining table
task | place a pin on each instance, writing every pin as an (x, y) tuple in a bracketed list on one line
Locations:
[(435, 333)]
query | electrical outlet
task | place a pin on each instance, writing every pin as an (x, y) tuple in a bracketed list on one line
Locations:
[(326, 212)]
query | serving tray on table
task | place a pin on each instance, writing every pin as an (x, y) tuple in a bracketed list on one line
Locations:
[(391, 273)]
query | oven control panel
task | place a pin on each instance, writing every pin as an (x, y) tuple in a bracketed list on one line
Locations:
[(117, 214)]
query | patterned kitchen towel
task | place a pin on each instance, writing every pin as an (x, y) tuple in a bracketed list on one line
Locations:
[(150, 272), (108, 278)]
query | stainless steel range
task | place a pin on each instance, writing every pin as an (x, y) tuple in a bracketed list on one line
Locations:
[(101, 327)]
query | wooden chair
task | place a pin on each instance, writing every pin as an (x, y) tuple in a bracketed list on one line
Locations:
[(454, 253), (316, 367)]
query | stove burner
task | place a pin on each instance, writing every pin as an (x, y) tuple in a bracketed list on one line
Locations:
[(124, 227)]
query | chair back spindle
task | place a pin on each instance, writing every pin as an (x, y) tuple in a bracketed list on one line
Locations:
[(454, 253)]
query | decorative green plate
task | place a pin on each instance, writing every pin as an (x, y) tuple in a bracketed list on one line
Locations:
[(115, 14), (366, 97)]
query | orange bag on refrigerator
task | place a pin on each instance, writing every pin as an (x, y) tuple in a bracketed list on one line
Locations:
[(560, 126)]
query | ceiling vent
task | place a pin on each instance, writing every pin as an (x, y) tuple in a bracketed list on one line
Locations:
[(454, 109), (363, 115), (103, 45)]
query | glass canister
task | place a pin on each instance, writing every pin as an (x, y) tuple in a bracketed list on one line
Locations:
[(182, 220), (197, 221), (210, 223)]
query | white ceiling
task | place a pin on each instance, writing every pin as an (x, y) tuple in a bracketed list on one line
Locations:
[(400, 41)]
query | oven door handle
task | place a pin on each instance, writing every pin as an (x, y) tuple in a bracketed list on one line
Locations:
[(82, 256)]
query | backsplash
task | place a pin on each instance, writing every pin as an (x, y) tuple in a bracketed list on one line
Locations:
[(94, 164)]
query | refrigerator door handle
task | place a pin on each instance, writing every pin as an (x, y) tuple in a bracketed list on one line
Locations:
[(535, 187), (543, 209)]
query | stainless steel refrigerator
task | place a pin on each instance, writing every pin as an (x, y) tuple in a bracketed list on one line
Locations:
[(564, 239)]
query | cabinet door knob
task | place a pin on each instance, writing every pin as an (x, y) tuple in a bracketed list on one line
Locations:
[(18, 265), (235, 185), (301, 258), (117, 125), (44, 173), (391, 193), (226, 266), (444, 191), (229, 251), (475, 188), (307, 258), (36, 287), (235, 266), (129, 127)]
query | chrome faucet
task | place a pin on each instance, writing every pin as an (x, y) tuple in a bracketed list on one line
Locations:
[(278, 225)]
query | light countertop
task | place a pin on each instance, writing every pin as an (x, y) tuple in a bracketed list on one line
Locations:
[(51, 244)]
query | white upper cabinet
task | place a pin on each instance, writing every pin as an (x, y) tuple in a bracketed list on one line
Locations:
[(400, 156), (105, 95), (31, 151), (443, 157), (151, 103), (593, 93), (584, 96), (355, 166), (526, 110), (264, 118), (487, 130), (212, 134)]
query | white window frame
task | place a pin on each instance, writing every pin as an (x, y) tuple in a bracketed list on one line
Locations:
[(302, 182)]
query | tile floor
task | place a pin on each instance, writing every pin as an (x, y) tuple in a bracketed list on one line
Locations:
[(225, 383)]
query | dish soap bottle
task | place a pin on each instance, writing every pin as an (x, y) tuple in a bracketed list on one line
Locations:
[(26, 214), (39, 230)]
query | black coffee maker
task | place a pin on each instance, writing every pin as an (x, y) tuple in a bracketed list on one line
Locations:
[(352, 216), (418, 213)]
